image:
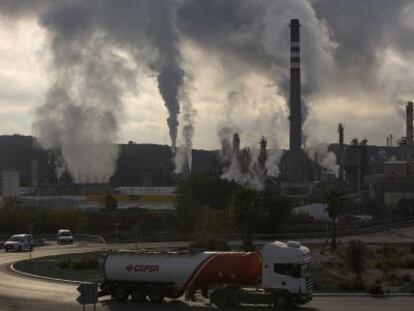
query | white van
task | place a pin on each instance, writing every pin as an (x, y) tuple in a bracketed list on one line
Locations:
[(64, 236), (19, 242)]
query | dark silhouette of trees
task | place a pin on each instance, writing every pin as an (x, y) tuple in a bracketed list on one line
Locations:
[(333, 201), (246, 208), (111, 203)]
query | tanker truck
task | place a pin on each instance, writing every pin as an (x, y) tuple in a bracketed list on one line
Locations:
[(278, 275)]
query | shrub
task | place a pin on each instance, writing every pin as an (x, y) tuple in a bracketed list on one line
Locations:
[(343, 285), (371, 254), (406, 278), (376, 289), (356, 257), (85, 264), (408, 263), (64, 264), (358, 285)]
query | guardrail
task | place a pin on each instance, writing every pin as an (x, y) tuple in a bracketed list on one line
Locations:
[(126, 237)]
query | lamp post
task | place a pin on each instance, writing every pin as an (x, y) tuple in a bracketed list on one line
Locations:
[(136, 235), (116, 231)]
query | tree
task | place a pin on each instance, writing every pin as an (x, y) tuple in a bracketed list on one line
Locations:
[(333, 201), (405, 208), (110, 203), (198, 192), (275, 211), (68, 218), (246, 210), (388, 260), (356, 258)]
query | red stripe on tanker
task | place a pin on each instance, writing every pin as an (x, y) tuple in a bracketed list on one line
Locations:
[(195, 273), (185, 270), (235, 268)]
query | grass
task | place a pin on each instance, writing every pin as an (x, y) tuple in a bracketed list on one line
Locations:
[(85, 267)]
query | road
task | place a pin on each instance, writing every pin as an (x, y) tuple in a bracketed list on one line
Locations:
[(18, 292)]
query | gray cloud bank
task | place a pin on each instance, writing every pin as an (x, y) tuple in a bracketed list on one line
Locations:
[(356, 53)]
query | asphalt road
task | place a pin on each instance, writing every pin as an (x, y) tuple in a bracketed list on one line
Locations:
[(18, 292)]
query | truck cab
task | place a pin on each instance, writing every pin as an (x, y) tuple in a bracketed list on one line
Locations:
[(285, 271)]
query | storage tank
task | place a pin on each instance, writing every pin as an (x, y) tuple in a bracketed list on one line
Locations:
[(184, 270)]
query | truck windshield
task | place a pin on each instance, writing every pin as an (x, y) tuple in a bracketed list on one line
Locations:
[(65, 233), (293, 270)]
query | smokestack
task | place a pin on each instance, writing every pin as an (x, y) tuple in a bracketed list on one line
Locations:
[(409, 110), (263, 154), (296, 164), (341, 151), (236, 143), (409, 140), (295, 139)]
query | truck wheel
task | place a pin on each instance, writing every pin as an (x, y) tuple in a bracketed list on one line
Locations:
[(281, 302), (156, 295), (139, 294), (120, 294), (219, 298)]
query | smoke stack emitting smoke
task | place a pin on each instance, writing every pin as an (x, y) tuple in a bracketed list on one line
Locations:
[(95, 42), (84, 104)]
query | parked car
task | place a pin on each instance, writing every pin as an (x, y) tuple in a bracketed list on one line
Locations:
[(19, 242), (64, 236)]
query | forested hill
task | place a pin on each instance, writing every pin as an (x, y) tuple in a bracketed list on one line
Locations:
[(138, 164)]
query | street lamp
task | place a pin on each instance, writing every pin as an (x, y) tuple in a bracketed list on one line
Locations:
[(116, 231)]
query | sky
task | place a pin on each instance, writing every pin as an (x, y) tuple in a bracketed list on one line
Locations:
[(115, 63)]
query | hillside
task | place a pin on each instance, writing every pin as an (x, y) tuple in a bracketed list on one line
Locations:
[(138, 164)]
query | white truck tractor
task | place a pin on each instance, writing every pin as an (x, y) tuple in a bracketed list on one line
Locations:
[(277, 276)]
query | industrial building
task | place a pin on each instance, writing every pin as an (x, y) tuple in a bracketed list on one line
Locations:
[(11, 183)]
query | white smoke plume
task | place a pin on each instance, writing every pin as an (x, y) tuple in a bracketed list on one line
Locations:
[(183, 155), (96, 46), (81, 112), (273, 160), (326, 159), (241, 165)]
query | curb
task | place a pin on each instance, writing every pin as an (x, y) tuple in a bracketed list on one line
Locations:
[(12, 268), (386, 295)]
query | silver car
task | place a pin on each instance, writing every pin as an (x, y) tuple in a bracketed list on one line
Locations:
[(19, 242)]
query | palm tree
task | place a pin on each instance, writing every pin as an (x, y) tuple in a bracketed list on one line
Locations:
[(333, 205)]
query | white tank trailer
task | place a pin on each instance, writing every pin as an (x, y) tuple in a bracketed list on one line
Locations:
[(279, 275)]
